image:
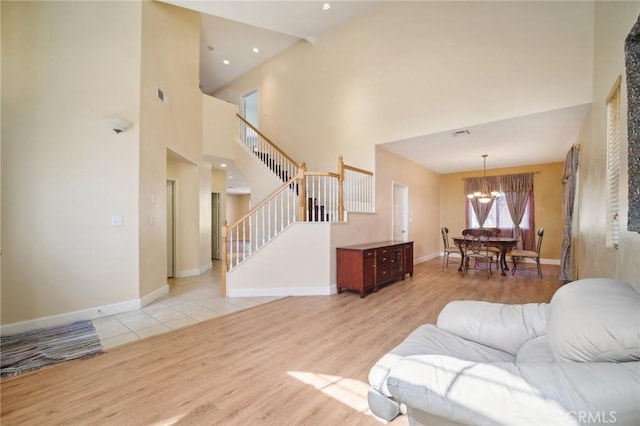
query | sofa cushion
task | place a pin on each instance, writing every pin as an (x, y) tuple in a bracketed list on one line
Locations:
[(428, 339), (595, 319), (534, 350), (500, 326), (473, 392), (591, 392)]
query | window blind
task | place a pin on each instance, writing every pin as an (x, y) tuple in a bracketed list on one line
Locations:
[(613, 165)]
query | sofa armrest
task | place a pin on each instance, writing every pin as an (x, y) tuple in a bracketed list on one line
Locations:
[(472, 392), (497, 325)]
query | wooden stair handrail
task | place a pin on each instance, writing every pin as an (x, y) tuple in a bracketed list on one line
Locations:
[(276, 147), (328, 174), (355, 169), (265, 201)]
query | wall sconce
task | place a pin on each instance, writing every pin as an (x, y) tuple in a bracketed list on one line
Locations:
[(117, 124)]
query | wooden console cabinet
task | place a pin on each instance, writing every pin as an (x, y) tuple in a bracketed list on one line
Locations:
[(364, 267)]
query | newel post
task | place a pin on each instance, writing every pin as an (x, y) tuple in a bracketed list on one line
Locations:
[(302, 190), (225, 266), (340, 189)]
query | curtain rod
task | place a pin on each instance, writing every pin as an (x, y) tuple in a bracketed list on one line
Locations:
[(508, 174)]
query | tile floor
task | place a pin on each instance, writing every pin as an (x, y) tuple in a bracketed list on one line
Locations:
[(190, 300)]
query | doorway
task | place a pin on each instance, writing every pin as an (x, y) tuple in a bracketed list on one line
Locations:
[(400, 212), (171, 233), (215, 225), (250, 103)]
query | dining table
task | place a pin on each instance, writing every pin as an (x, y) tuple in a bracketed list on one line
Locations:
[(502, 243)]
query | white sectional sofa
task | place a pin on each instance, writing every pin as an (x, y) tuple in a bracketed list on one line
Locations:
[(575, 360)]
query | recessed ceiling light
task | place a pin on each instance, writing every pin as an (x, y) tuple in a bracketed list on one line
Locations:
[(223, 165), (326, 6), (256, 50), (230, 177), (226, 62)]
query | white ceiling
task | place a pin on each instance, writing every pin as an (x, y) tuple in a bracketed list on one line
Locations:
[(532, 139), (231, 29), (234, 28)]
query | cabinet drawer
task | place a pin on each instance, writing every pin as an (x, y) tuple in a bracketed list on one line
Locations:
[(383, 256), (368, 254), (383, 273)]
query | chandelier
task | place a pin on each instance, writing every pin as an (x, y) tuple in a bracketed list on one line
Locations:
[(484, 196)]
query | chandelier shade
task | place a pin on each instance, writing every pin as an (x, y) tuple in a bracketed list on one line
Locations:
[(483, 190)]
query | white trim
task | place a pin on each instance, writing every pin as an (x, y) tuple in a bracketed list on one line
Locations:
[(542, 261), (83, 315), (188, 273), (206, 267), (426, 258), (282, 291), (69, 317), (156, 294)]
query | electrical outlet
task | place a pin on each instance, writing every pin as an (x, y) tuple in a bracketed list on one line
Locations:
[(117, 221)]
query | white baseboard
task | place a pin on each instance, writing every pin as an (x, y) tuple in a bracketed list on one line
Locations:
[(543, 261), (206, 267), (194, 272), (187, 273), (282, 291), (84, 314), (156, 294), (426, 258)]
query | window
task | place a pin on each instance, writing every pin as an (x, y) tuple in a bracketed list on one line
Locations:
[(499, 216), (613, 165)]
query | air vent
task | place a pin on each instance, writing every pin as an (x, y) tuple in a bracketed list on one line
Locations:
[(461, 132)]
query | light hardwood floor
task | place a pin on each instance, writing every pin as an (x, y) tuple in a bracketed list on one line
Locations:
[(293, 361)]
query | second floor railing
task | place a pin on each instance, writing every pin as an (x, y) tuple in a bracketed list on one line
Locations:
[(266, 151), (356, 189)]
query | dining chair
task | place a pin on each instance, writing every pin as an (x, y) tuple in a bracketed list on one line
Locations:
[(476, 248), (495, 232), (448, 249), (519, 256)]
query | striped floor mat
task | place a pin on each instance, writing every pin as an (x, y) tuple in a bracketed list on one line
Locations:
[(34, 349)]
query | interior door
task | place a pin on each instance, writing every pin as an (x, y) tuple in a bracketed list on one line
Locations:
[(399, 213)]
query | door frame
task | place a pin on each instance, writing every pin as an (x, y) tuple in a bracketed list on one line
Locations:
[(254, 120), (171, 230), (216, 223), (401, 190)]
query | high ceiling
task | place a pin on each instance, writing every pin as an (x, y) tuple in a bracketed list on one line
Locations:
[(232, 29)]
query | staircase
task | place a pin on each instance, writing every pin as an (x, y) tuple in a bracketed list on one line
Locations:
[(303, 196)]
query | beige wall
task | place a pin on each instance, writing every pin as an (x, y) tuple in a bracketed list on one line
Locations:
[(423, 188), (65, 174), (187, 198), (547, 191), (612, 24), (170, 61), (219, 127), (405, 69), (237, 206), (205, 215), (65, 65)]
